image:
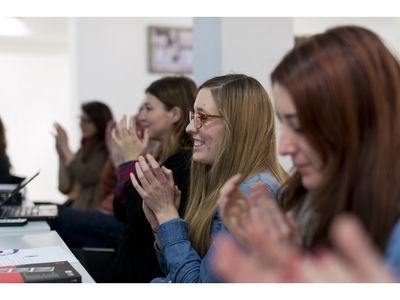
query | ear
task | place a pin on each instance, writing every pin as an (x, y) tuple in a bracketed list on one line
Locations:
[(176, 113)]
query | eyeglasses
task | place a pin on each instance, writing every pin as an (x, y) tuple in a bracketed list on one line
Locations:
[(84, 120), (199, 117)]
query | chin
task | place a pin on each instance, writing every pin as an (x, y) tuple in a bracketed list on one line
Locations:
[(310, 184), (201, 160)]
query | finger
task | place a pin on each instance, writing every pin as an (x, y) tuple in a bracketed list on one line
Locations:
[(230, 185), (232, 265), (145, 171), (146, 136), (351, 239), (155, 167), (136, 185), (141, 176), (122, 123), (294, 227), (168, 174), (227, 192), (266, 208), (132, 125), (114, 136), (177, 198)]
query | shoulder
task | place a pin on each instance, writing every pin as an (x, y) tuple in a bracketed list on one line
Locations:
[(181, 158), (269, 180), (395, 235), (392, 251)]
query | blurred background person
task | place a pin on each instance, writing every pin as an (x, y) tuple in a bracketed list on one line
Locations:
[(79, 173)]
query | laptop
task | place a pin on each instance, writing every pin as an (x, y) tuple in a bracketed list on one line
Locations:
[(32, 213)]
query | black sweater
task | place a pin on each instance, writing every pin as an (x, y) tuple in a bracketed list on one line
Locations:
[(134, 259)]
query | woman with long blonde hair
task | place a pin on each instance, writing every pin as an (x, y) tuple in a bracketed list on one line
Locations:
[(233, 130)]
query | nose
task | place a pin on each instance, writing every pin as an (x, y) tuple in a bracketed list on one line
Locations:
[(190, 128), (141, 116), (286, 145)]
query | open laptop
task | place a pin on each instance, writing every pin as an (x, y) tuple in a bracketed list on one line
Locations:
[(32, 213)]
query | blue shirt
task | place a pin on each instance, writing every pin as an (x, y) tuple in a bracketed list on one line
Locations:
[(179, 261), (392, 251)]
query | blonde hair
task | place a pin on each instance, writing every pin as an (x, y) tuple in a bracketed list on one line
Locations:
[(248, 147)]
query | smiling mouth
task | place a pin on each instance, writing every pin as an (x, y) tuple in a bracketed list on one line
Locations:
[(198, 143)]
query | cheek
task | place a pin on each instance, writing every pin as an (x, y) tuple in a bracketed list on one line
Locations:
[(217, 139)]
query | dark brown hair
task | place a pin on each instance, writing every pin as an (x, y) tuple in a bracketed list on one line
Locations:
[(345, 85), (99, 114)]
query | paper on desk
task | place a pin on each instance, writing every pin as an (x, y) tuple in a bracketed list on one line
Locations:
[(37, 255)]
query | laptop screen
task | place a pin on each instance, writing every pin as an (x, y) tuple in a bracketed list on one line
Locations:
[(18, 189)]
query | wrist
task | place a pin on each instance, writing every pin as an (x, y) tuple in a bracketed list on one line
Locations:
[(167, 215)]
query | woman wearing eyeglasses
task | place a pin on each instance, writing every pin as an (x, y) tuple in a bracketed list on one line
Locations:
[(79, 173), (227, 141)]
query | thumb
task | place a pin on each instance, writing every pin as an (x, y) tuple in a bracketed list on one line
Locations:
[(146, 137)]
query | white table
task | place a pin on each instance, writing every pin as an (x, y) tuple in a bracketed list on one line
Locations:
[(41, 239), (31, 228)]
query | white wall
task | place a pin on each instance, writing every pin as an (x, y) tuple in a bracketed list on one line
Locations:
[(386, 27), (111, 59), (34, 92)]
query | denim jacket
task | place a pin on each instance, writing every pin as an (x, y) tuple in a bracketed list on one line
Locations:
[(179, 261), (392, 250)]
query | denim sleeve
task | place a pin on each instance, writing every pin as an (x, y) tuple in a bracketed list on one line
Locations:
[(392, 251), (179, 260)]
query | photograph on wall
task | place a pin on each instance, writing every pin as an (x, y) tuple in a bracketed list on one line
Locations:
[(171, 50)]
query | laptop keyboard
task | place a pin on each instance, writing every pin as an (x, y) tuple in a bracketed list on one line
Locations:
[(20, 211)]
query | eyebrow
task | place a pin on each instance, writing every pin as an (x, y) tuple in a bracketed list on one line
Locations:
[(290, 116), (287, 116), (200, 110)]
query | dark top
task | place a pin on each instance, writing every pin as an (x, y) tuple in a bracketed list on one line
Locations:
[(134, 259), (5, 175)]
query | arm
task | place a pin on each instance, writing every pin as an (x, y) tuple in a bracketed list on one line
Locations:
[(122, 189), (64, 179), (182, 261), (108, 179), (64, 156)]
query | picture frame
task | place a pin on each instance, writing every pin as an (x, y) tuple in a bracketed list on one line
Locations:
[(171, 50)]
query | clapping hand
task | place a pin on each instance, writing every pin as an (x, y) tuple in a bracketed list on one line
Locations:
[(130, 141), (112, 147), (61, 138), (160, 195), (354, 259), (239, 213)]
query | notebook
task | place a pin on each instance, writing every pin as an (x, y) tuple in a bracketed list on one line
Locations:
[(32, 213)]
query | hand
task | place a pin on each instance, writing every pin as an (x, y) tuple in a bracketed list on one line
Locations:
[(151, 217), (355, 260), (112, 147), (157, 188), (61, 138), (238, 211), (129, 140)]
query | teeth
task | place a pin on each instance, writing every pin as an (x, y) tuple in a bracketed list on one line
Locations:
[(198, 143)]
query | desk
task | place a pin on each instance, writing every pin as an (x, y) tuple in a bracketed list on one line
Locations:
[(43, 239), (32, 227)]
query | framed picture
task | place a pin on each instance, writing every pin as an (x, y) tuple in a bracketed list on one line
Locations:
[(170, 50)]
